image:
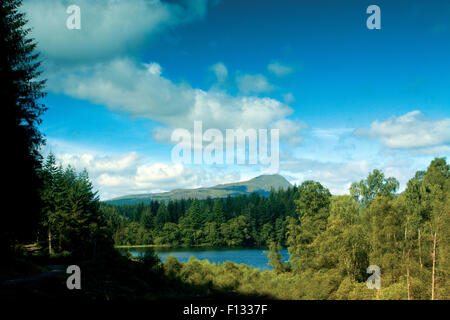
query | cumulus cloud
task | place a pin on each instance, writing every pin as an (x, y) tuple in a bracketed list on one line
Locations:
[(153, 177), (118, 174), (108, 28), (410, 131), (96, 164), (125, 86), (279, 69), (95, 64), (153, 68), (220, 71), (290, 130), (336, 176), (131, 173), (253, 83), (331, 134), (439, 150)]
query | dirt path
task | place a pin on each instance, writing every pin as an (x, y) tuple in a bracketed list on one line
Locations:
[(53, 271)]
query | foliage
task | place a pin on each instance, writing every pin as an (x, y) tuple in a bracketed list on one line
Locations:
[(20, 91), (71, 214), (248, 220)]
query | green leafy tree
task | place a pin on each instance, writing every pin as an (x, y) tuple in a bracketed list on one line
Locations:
[(276, 259), (236, 231), (344, 245), (386, 221), (212, 234), (437, 188), (376, 184), (313, 211)]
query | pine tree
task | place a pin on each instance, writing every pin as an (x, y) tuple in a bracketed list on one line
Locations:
[(20, 91), (217, 213), (162, 216), (195, 215)]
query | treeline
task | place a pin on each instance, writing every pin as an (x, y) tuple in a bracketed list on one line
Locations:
[(71, 222), (252, 220), (332, 241)]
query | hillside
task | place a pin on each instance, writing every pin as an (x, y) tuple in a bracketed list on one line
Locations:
[(261, 185)]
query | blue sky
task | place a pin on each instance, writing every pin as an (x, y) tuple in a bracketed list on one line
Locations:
[(346, 99)]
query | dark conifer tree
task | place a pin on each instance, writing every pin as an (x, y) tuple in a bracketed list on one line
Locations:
[(20, 91)]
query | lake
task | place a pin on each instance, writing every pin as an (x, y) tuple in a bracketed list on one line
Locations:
[(251, 257)]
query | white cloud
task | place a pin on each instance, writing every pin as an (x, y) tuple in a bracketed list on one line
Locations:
[(253, 83), (161, 177), (96, 164), (290, 130), (401, 169), (112, 183), (108, 28), (439, 150), (154, 68), (221, 71), (336, 176), (151, 176), (125, 86), (330, 134), (279, 69), (410, 131), (132, 173)]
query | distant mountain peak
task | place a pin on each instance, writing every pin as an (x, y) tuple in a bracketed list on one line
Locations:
[(261, 184)]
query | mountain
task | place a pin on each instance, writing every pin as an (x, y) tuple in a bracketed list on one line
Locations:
[(261, 185)]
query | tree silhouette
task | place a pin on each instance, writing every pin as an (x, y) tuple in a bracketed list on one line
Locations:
[(20, 91)]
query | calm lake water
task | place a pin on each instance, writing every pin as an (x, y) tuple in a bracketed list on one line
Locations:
[(252, 257)]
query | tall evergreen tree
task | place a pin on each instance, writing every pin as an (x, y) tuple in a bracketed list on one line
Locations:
[(162, 216), (217, 213), (20, 91)]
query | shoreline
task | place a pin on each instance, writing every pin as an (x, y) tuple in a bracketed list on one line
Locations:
[(185, 247), (143, 246)]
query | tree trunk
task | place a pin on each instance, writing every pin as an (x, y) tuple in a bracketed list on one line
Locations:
[(50, 251), (433, 276), (407, 277), (408, 285), (405, 243), (420, 252)]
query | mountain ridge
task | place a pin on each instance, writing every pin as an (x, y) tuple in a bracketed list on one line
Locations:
[(261, 184)]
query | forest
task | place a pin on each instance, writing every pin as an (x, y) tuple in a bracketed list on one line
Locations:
[(331, 239), (243, 220)]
